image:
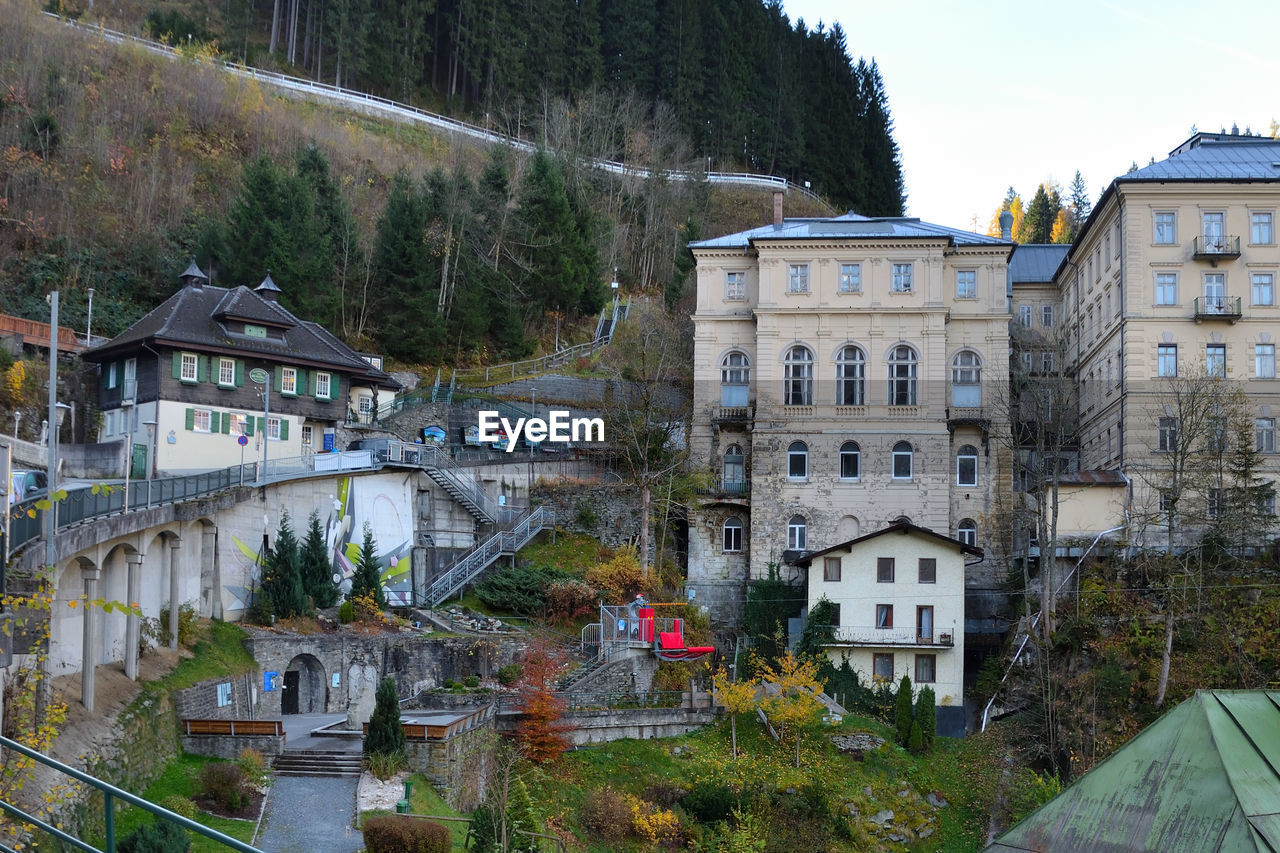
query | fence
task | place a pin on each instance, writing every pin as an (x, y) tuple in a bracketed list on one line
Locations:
[(601, 701)]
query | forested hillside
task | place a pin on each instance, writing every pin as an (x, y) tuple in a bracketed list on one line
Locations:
[(118, 167), (749, 88)]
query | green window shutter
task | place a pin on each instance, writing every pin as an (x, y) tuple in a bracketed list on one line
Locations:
[(226, 424), (334, 386), (239, 373), (202, 368), (284, 429), (248, 425), (311, 389), (215, 422), (262, 425), (191, 419), (301, 386), (177, 368), (279, 378)]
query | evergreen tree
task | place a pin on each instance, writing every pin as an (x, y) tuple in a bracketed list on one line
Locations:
[(903, 716), (282, 574), (818, 630), (927, 717), (386, 734), (367, 579), (557, 258), (317, 568), (1078, 202), (915, 739), (405, 311), (1037, 224)]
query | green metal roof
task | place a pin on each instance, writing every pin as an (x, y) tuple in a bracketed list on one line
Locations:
[(1204, 777)]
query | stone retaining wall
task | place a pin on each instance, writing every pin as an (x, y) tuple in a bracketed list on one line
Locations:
[(229, 746)]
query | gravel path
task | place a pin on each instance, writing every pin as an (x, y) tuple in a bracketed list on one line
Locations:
[(310, 815)]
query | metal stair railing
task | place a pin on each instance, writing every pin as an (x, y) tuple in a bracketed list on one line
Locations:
[(475, 561)]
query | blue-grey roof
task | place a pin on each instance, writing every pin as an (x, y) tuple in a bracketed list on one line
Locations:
[(1213, 156), (1036, 262), (849, 226)]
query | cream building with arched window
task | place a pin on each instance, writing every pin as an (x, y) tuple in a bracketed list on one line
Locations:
[(849, 373)]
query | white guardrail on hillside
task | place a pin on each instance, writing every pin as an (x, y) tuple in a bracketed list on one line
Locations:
[(352, 98)]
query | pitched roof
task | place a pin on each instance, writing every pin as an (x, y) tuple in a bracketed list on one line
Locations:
[(1204, 777), (849, 226), (903, 527), (1216, 157), (1035, 263), (194, 317)]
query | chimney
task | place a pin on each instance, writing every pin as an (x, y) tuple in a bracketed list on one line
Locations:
[(268, 290), (777, 210), (1006, 225)]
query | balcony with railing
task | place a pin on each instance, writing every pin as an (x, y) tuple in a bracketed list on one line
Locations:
[(732, 490), (853, 635), (1216, 247), (723, 416), (1217, 308)]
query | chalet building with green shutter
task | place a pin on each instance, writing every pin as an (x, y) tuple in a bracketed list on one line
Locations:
[(178, 386)]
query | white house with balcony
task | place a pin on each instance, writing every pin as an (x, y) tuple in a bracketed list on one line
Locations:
[(899, 599)]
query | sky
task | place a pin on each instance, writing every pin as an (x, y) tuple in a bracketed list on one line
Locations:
[(985, 96)]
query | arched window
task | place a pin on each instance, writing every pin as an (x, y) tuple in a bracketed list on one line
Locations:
[(797, 377), (902, 458), (732, 535), (902, 376), (967, 532), (797, 461), (735, 379), (851, 375), (966, 380), (850, 461), (967, 466), (797, 533), (735, 474)]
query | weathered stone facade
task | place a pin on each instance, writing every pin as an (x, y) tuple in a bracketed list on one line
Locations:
[(609, 513)]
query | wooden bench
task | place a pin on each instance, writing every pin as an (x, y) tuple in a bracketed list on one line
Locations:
[(244, 728)]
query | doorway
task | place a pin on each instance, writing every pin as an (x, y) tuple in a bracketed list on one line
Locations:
[(305, 687), (289, 698)]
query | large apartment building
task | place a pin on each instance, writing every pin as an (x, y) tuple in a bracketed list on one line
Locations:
[(848, 374), (1175, 275)]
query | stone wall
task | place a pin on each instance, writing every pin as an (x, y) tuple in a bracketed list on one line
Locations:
[(602, 726), (454, 765), (606, 512), (92, 461), (230, 746), (201, 701)]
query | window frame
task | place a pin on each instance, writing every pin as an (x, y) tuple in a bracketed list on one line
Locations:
[(851, 376), (967, 532), (1046, 316), (884, 617), (202, 421), (797, 278), (797, 450), (226, 372), (961, 457), (797, 376), (289, 381), (1215, 360), (1264, 434), (324, 385), (735, 286), (932, 660), (798, 533), (966, 375), (967, 284), (1172, 222), (930, 576), (193, 360), (1024, 316), (1166, 360), (1255, 223), (902, 278), (903, 376), (733, 458), (273, 428), (112, 375), (878, 662), (731, 534), (828, 564), (735, 374), (850, 450), (1166, 434), (850, 278), (903, 450), (1264, 361), (1166, 284), (885, 569), (1263, 279)]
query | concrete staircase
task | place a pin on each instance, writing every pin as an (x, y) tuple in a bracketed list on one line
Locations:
[(318, 762)]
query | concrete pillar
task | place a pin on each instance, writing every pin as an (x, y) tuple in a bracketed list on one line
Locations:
[(209, 569), (174, 544), (89, 657), (133, 622)]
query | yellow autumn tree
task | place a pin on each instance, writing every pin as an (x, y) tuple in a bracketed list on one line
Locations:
[(737, 697), (1013, 204), (795, 703), (1061, 232)]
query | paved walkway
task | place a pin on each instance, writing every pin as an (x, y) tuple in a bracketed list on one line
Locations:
[(310, 815), (307, 814)]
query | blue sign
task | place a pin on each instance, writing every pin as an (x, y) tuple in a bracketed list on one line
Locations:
[(269, 681), (328, 442), (242, 440)]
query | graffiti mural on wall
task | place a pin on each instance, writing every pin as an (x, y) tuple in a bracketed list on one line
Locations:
[(365, 501)]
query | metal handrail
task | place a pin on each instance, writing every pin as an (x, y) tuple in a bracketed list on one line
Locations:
[(479, 558), (110, 793)]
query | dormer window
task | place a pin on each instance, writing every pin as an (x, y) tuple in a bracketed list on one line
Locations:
[(254, 331)]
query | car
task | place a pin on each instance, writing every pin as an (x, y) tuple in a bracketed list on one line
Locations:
[(24, 485)]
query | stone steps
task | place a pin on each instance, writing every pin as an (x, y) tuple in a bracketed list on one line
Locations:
[(318, 762)]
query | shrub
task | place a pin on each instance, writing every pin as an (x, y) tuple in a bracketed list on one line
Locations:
[(158, 837), (346, 612), (384, 765), (710, 802), (569, 599), (179, 804), (519, 590), (927, 717), (399, 834), (509, 674), (915, 741), (471, 682), (605, 814), (903, 717), (41, 135), (660, 826), (620, 578), (254, 765), (365, 608), (386, 735), (188, 618), (225, 784)]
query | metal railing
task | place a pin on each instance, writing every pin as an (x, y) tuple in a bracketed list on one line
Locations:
[(471, 564), (871, 636), (110, 793), (1217, 245), (1218, 306)]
